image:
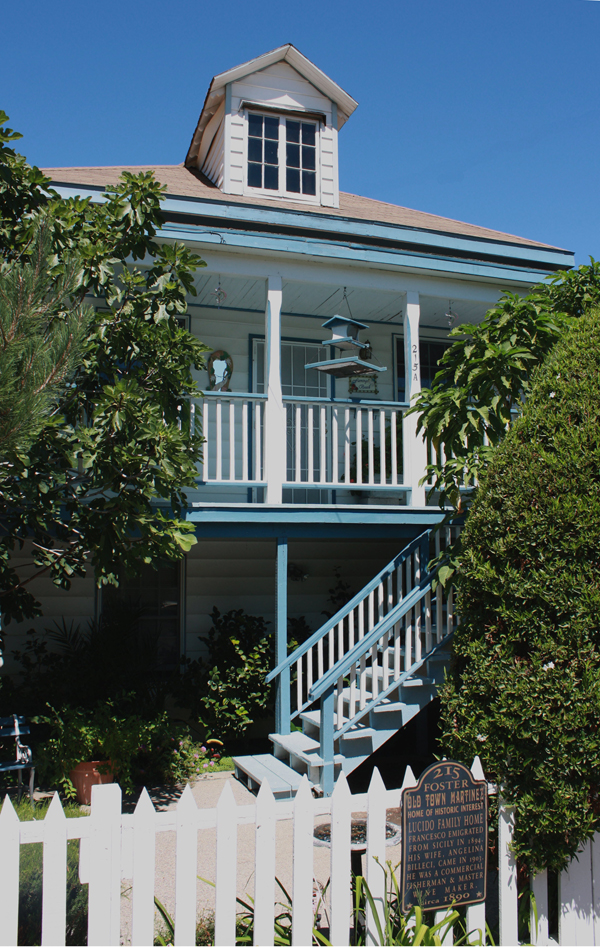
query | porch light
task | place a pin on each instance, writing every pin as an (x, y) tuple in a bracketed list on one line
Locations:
[(344, 332)]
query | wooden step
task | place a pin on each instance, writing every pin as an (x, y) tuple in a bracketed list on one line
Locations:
[(256, 769), (300, 745)]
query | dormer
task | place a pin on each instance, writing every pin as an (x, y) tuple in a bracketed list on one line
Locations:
[(268, 129)]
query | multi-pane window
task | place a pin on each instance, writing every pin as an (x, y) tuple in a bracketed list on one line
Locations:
[(430, 354), (301, 157), (263, 152), (282, 154)]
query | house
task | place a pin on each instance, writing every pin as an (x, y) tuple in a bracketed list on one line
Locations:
[(325, 313)]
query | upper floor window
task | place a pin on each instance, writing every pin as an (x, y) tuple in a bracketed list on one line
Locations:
[(282, 155)]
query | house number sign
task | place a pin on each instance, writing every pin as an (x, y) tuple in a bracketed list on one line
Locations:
[(444, 838)]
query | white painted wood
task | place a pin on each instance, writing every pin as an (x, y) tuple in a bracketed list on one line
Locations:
[(104, 894), (186, 868), (144, 856), (539, 888), (54, 889), (264, 863), (232, 440), (340, 890), (9, 873), (576, 900), (302, 873), (596, 877), (310, 443), (445, 934), (371, 445), (246, 434), (375, 858), (415, 452), (359, 446), (226, 873), (507, 881), (476, 922), (275, 415)]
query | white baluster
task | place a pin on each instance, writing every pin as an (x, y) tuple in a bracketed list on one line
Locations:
[(335, 474), (394, 445), (232, 440), (382, 448), (309, 670), (359, 446), (363, 681), (205, 446), (322, 445), (428, 639), (320, 665), (245, 471), (219, 441), (347, 442), (258, 465), (371, 447), (340, 702), (311, 445), (299, 683), (298, 433), (375, 670)]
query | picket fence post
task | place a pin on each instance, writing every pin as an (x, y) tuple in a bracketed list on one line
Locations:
[(186, 868), (576, 900), (54, 888), (104, 894), (539, 888), (476, 913), (226, 874), (264, 867), (302, 879), (507, 878), (144, 857), (375, 874), (9, 873), (340, 894)]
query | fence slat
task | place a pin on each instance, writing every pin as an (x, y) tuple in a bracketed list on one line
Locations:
[(302, 882), (264, 862), (576, 900), (339, 891), (186, 868), (104, 894), (226, 875), (476, 920), (54, 890), (507, 882), (539, 887), (144, 855), (9, 873), (376, 814)]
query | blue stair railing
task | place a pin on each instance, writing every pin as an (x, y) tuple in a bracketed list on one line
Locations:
[(368, 649)]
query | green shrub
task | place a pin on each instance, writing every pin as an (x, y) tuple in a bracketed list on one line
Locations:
[(30, 884), (524, 691), (226, 690)]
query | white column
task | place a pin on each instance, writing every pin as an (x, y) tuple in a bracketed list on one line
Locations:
[(275, 425), (415, 451)]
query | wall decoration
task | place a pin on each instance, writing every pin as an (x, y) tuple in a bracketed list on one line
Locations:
[(220, 370), (363, 385)]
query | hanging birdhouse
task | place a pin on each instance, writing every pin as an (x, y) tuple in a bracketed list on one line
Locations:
[(344, 332)]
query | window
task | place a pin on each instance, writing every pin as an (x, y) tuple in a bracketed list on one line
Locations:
[(282, 155), (430, 354)]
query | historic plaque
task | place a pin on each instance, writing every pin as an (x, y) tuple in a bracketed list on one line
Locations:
[(444, 838)]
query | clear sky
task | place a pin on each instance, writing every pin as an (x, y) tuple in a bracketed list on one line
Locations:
[(482, 110)]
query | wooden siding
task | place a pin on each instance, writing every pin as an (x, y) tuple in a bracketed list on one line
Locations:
[(240, 574), (211, 160)]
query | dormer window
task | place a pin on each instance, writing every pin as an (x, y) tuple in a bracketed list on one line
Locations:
[(282, 155)]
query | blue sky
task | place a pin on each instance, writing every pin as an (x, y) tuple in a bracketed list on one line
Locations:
[(483, 110)]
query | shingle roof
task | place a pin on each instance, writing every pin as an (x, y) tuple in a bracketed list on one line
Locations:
[(181, 182)]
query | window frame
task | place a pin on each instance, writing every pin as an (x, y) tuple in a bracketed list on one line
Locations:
[(281, 154)]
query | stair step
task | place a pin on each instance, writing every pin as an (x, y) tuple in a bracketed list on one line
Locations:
[(258, 768), (301, 746)]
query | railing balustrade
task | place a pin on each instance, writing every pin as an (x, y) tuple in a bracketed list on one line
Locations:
[(232, 425)]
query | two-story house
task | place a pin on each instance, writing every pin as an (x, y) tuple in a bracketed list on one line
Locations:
[(309, 471)]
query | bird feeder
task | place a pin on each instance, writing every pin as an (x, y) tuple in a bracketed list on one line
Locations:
[(344, 332)]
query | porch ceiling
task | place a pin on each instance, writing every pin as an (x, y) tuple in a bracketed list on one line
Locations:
[(321, 301)]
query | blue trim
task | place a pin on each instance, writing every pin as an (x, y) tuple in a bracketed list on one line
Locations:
[(326, 741), (345, 226), (282, 698), (303, 514), (313, 247), (346, 532)]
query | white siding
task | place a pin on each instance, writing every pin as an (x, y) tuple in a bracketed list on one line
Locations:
[(211, 160), (279, 86)]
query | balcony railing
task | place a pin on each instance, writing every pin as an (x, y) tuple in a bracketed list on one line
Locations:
[(329, 444)]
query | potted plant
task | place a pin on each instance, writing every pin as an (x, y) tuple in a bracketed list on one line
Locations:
[(75, 756)]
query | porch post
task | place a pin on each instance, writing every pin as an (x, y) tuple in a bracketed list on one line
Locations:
[(275, 424), (282, 696), (415, 450)]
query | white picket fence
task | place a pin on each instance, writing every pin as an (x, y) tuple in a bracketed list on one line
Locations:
[(116, 846)]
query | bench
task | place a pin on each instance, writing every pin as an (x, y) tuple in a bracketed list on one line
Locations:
[(14, 726)]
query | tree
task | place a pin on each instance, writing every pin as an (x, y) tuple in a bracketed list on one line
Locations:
[(524, 692), (102, 484)]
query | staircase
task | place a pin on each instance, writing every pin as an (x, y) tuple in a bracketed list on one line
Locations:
[(359, 679)]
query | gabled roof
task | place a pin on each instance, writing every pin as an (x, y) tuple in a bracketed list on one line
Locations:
[(182, 182), (288, 53)]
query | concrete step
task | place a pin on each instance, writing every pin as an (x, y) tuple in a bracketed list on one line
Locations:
[(256, 769)]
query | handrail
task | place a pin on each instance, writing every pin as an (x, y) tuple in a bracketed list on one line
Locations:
[(357, 402), (393, 686), (255, 395), (340, 668), (347, 609)]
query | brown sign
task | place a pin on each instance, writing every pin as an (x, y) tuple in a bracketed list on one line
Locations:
[(444, 838)]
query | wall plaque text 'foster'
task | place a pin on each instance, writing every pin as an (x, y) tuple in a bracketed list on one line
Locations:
[(444, 838)]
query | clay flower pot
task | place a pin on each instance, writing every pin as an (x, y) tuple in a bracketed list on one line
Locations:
[(86, 775)]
